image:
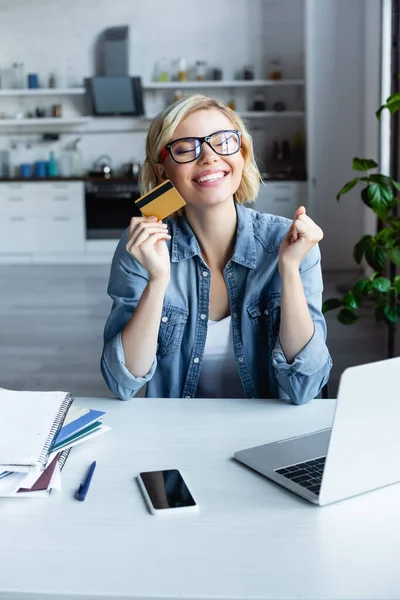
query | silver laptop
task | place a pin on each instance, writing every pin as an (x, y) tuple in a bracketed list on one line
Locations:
[(360, 453)]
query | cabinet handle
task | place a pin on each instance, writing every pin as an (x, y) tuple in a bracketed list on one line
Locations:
[(283, 199), (15, 198), (60, 198), (17, 219), (61, 218)]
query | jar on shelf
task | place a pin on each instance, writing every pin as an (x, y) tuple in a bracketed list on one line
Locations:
[(18, 76), (232, 104), (182, 69), (258, 102), (178, 95), (201, 67), (248, 72), (275, 69), (163, 73)]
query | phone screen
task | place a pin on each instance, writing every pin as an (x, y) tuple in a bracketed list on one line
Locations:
[(167, 489)]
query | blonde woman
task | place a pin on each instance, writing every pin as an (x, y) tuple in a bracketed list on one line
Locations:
[(219, 301)]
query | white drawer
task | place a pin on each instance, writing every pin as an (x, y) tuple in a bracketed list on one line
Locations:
[(61, 234), (60, 198), (278, 198), (18, 234)]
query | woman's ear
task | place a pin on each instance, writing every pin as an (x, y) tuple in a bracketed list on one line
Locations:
[(161, 174)]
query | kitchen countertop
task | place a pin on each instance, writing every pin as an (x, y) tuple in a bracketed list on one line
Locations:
[(267, 177), (116, 179)]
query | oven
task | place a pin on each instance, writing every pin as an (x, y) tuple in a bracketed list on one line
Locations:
[(109, 205)]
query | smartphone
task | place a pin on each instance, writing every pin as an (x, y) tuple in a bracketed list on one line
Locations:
[(166, 492)]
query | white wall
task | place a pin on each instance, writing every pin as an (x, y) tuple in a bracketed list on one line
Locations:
[(60, 36), (336, 109)]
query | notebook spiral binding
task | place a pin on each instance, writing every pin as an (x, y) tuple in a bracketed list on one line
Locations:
[(58, 422), (62, 459)]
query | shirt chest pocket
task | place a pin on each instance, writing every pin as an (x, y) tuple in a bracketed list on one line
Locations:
[(172, 326), (265, 315)]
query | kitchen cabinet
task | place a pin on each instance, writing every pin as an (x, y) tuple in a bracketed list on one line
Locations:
[(280, 198), (42, 218)]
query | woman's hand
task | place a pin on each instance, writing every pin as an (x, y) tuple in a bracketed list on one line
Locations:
[(303, 234), (146, 242)]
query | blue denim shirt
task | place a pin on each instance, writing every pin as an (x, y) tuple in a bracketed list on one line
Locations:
[(254, 288)]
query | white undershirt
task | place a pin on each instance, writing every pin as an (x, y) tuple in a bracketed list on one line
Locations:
[(219, 376)]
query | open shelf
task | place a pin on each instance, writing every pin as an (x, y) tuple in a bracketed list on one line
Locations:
[(78, 91), (245, 83), (54, 122)]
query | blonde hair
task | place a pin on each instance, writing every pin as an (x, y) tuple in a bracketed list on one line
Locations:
[(162, 129)]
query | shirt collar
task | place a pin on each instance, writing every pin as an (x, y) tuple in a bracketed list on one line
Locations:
[(185, 245)]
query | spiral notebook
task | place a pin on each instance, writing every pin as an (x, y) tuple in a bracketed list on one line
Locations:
[(29, 423)]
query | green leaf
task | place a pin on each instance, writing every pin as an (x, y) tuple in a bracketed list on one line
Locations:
[(393, 104), (378, 178), (380, 110), (363, 164), (396, 282), (381, 284), (396, 184), (387, 236), (361, 247), (347, 317), (376, 257), (350, 301), (391, 315), (379, 197), (360, 289), (347, 187), (331, 304), (394, 255)]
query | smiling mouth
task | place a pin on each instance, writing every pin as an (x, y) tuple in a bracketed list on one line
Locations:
[(211, 177)]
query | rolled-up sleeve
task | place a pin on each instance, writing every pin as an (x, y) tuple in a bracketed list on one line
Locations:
[(304, 378), (128, 280)]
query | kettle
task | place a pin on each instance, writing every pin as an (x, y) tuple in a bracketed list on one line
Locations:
[(102, 167)]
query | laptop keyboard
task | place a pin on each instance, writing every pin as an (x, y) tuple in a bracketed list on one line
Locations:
[(308, 474)]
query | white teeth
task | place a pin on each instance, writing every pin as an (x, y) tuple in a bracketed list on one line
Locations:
[(211, 177)]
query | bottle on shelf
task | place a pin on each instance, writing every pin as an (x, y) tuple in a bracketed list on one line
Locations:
[(275, 69), (201, 67), (52, 165), (182, 69), (76, 159)]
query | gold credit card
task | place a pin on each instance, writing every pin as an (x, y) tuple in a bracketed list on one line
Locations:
[(161, 201)]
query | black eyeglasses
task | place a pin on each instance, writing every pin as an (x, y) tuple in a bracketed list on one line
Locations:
[(187, 149)]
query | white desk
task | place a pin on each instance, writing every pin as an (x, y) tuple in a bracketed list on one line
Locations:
[(250, 539)]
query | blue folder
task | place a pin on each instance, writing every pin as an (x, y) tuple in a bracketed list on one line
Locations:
[(72, 428)]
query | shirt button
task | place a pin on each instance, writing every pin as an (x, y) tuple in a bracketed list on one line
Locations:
[(164, 319), (266, 312), (229, 274), (205, 273), (235, 316), (241, 359), (203, 316), (196, 360)]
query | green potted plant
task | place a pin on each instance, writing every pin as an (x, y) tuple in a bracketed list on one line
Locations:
[(380, 251)]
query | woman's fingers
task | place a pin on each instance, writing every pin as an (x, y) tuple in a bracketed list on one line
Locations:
[(144, 230), (152, 240), (145, 233), (137, 221)]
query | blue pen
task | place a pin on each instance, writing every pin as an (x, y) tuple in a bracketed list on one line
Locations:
[(84, 487)]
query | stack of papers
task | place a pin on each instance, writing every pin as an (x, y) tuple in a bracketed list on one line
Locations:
[(37, 432)]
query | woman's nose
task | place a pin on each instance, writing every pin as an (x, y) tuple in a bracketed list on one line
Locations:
[(207, 154)]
